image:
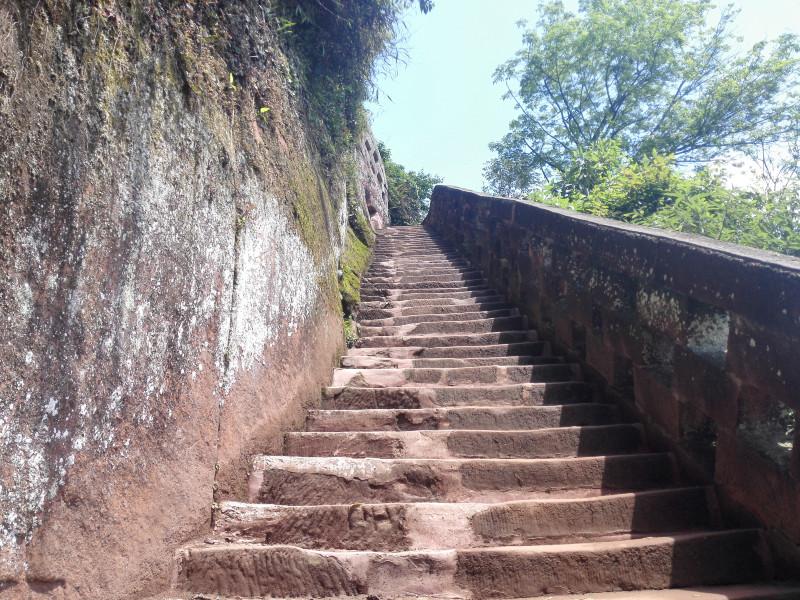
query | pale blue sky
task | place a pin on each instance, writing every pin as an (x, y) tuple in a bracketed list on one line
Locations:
[(439, 112)]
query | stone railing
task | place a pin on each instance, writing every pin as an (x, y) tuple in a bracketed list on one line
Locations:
[(700, 338)]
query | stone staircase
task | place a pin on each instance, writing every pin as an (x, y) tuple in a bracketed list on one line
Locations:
[(455, 457)]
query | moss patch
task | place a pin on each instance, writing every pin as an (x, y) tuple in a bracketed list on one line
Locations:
[(355, 260), (362, 228), (350, 332)]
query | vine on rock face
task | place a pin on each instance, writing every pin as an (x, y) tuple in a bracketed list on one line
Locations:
[(340, 46)]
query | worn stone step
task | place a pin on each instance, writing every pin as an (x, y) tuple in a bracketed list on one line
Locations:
[(423, 275), (431, 525), (437, 317), (455, 457), (306, 480), (697, 558), (515, 323), (476, 290), (433, 285), (481, 376), (471, 417), (753, 591), (438, 341), (528, 348), (416, 257), (391, 310), (440, 294), (428, 303), (540, 443), (449, 257), (383, 258), (444, 293), (520, 394), (387, 275), (383, 275), (376, 362), (440, 277)]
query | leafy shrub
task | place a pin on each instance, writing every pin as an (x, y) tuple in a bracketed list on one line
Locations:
[(603, 181)]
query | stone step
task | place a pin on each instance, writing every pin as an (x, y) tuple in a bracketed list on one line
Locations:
[(439, 341), (455, 458), (306, 480), (471, 417), (437, 317), (417, 257), (411, 275), (391, 272), (392, 269), (376, 362), (753, 591), (446, 294), (432, 304), (389, 262), (432, 525), (540, 443), (521, 394), (446, 311), (253, 570), (400, 278), (479, 376), (536, 348), (392, 275), (433, 284), (515, 323)]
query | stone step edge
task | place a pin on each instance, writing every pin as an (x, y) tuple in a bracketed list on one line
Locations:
[(332, 420), (350, 572), (534, 385), (463, 525), (757, 591)]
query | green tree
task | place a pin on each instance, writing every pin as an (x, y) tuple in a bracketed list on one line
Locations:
[(702, 205), (651, 191), (648, 74), (409, 191)]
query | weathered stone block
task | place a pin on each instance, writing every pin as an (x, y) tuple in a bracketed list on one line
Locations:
[(701, 383), (699, 322), (655, 398), (766, 359)]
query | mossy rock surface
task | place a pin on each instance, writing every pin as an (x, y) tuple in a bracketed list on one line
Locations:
[(362, 229), (355, 260)]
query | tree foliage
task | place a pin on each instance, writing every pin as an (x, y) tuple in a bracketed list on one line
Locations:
[(340, 45), (409, 191), (647, 74), (603, 181)]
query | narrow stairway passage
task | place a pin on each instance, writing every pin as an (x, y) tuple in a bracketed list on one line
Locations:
[(454, 456)]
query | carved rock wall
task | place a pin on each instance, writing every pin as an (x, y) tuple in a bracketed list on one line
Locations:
[(373, 189), (168, 255)]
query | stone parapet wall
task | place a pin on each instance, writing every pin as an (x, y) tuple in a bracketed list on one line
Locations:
[(700, 338)]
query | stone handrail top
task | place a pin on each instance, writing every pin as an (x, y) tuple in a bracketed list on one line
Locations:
[(770, 259)]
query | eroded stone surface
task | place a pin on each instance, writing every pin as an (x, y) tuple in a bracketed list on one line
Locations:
[(457, 458), (168, 257)]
